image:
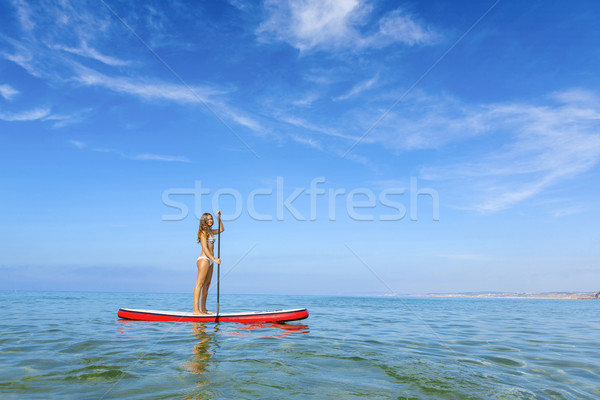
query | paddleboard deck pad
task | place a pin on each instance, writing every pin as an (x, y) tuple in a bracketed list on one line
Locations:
[(242, 317)]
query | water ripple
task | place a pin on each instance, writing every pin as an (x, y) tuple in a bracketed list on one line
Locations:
[(420, 349)]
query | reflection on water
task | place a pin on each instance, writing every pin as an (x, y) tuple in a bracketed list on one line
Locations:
[(272, 330), (206, 347), (202, 349), (199, 364)]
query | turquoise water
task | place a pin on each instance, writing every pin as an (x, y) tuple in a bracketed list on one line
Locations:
[(73, 346)]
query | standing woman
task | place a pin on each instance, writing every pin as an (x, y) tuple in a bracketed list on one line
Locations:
[(206, 237)]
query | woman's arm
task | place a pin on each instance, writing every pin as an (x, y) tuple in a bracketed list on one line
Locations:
[(221, 228), (205, 251)]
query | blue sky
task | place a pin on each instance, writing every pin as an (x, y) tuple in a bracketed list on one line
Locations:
[(454, 145)]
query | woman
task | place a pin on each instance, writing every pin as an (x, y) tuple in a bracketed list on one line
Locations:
[(206, 237)]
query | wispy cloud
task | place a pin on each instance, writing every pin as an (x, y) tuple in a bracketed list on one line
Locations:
[(423, 122), (358, 88), (306, 100), (308, 125), (77, 143), (61, 120), (51, 26), (69, 51), (398, 26), (42, 114), (571, 210), (85, 51), (30, 115), (138, 157), (546, 144), (159, 90), (241, 118), (24, 14), (145, 89), (542, 142), (8, 92), (310, 142), (158, 157), (22, 56), (334, 24)]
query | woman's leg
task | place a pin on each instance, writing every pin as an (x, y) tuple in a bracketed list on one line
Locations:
[(204, 289), (203, 266)]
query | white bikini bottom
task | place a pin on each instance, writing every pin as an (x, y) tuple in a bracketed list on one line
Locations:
[(205, 258)]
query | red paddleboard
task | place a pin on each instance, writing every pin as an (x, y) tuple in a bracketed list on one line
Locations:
[(243, 317)]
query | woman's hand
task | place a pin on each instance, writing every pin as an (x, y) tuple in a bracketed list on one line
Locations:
[(218, 260), (219, 213)]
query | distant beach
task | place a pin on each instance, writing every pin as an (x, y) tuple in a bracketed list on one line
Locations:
[(549, 295)]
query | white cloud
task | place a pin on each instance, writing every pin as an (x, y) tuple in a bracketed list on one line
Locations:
[(62, 120), (240, 4), (77, 143), (358, 159), (24, 14), (400, 27), (307, 125), (306, 101), (331, 24), (85, 51), (572, 210), (158, 157), (64, 41), (358, 88), (49, 67), (241, 119), (137, 157), (523, 149), (23, 57), (30, 115), (418, 122), (307, 141), (8, 92), (157, 90), (41, 114), (146, 89), (310, 23), (543, 144)]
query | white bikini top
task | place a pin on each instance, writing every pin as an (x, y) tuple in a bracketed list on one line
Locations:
[(211, 240)]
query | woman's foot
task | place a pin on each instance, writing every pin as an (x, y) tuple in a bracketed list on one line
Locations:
[(197, 312), (206, 312)]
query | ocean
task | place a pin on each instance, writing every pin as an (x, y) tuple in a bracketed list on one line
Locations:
[(71, 345)]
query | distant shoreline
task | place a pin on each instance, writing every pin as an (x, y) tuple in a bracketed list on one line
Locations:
[(550, 295)]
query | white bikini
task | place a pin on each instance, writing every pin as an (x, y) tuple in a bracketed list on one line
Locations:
[(210, 240)]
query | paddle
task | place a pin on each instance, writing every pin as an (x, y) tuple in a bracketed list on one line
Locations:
[(218, 265)]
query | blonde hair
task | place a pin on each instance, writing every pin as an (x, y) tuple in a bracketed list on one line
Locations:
[(204, 229)]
